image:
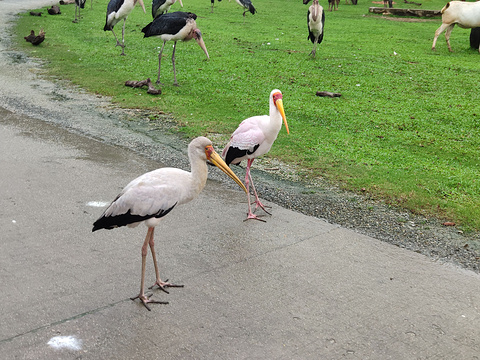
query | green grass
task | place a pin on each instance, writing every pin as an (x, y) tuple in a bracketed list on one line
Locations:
[(406, 127)]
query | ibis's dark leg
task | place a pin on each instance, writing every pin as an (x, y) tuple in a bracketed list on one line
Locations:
[(161, 284), (144, 298), (173, 62), (160, 62)]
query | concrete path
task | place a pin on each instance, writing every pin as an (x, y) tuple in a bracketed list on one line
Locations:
[(294, 287)]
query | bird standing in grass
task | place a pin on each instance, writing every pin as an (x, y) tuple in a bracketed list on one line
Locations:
[(315, 22), (79, 4), (253, 138), (247, 6), (118, 10), (174, 26), (153, 195)]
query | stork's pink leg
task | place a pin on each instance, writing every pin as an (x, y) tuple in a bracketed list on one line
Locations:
[(248, 179), (161, 284), (144, 298), (257, 201)]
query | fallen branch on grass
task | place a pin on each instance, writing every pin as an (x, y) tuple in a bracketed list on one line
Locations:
[(151, 89)]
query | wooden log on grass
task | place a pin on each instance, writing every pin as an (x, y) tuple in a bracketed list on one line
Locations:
[(405, 12)]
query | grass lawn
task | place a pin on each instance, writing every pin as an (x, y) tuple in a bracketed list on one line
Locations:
[(406, 128)]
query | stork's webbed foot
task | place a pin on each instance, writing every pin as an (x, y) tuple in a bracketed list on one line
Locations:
[(252, 216), (146, 300), (162, 285), (258, 204)]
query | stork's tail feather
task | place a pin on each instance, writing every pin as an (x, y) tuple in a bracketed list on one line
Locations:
[(251, 8)]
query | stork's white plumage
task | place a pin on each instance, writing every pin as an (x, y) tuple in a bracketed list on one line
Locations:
[(160, 7), (315, 22), (174, 26), (253, 138), (153, 195), (118, 10)]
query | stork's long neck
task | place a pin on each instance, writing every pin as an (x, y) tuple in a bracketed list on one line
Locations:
[(315, 10), (275, 119), (199, 175)]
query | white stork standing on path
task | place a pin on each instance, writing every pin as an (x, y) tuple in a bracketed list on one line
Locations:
[(174, 26), (315, 22), (153, 195), (160, 7), (79, 4), (254, 137), (246, 5), (118, 10)]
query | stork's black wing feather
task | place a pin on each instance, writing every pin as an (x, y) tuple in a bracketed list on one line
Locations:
[(111, 222), (155, 6), (235, 153), (169, 23), (114, 6)]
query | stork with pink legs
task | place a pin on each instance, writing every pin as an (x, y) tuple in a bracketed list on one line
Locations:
[(153, 195), (253, 138)]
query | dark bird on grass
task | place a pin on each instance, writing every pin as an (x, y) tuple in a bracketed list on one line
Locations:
[(35, 39), (79, 4), (213, 1), (160, 7), (315, 22), (247, 6), (153, 195), (118, 10), (54, 10), (253, 138), (174, 26)]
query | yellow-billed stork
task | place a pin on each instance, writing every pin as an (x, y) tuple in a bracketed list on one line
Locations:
[(153, 195), (160, 7), (254, 137), (174, 26), (316, 23), (118, 10)]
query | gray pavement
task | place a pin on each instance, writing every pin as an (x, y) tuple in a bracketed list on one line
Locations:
[(294, 287)]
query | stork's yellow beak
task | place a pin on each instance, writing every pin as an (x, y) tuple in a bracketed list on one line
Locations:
[(279, 105), (218, 162)]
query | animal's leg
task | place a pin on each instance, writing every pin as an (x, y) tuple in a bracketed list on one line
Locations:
[(257, 201), (248, 178), (173, 62), (160, 62), (123, 37), (447, 36), (75, 21), (118, 42), (161, 284), (437, 34), (144, 298), (314, 50)]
